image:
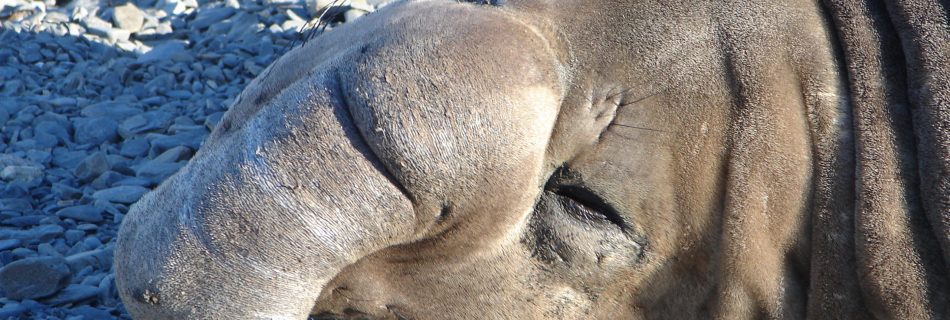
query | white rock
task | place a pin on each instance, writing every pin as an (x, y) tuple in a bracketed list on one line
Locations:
[(21, 173), (316, 7), (128, 17)]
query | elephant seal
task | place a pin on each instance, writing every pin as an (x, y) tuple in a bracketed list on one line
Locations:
[(540, 159)]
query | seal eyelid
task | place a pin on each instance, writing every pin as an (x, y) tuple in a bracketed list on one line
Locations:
[(590, 203), (569, 188)]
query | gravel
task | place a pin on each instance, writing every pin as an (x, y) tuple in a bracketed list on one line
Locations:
[(100, 101)]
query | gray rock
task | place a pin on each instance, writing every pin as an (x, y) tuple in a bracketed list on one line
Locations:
[(23, 253), (212, 120), (13, 310), (213, 73), (134, 148), (175, 154), (135, 181), (95, 130), (107, 290), (120, 194), (100, 259), (21, 173), (46, 249), (73, 236), (114, 110), (101, 28), (12, 160), (65, 192), (24, 221), (9, 244), (91, 167), (163, 52), (12, 87), (156, 172), (87, 227), (16, 204), (92, 242), (42, 233), (53, 129), (106, 179), (178, 94), (65, 158), (8, 72), (89, 313), (81, 213), (73, 293), (316, 7), (63, 102), (149, 121), (128, 17), (33, 278), (208, 17), (190, 138)]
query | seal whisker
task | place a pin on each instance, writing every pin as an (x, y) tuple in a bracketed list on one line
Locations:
[(636, 127)]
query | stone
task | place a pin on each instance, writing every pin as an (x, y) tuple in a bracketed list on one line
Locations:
[(38, 234), (316, 7), (163, 52), (120, 194), (65, 158), (73, 293), (13, 160), (134, 147), (8, 244), (65, 192), (21, 173), (91, 167), (212, 120), (190, 138), (53, 129), (156, 172), (95, 130), (34, 278), (175, 154), (107, 291), (46, 249), (88, 312), (17, 204), (135, 181), (92, 242), (128, 17), (13, 310), (104, 29), (115, 110), (149, 121), (73, 236), (23, 253), (107, 179), (81, 213), (97, 259), (63, 102), (208, 17), (24, 221)]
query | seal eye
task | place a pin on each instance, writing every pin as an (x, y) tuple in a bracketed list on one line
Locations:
[(568, 190)]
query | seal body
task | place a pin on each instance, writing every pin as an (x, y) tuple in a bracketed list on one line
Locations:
[(571, 159)]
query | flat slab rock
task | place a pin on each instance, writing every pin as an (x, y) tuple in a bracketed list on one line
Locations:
[(34, 278)]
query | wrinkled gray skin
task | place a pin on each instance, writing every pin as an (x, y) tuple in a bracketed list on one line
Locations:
[(535, 160)]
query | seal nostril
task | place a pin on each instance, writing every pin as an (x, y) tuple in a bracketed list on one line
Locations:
[(148, 296)]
